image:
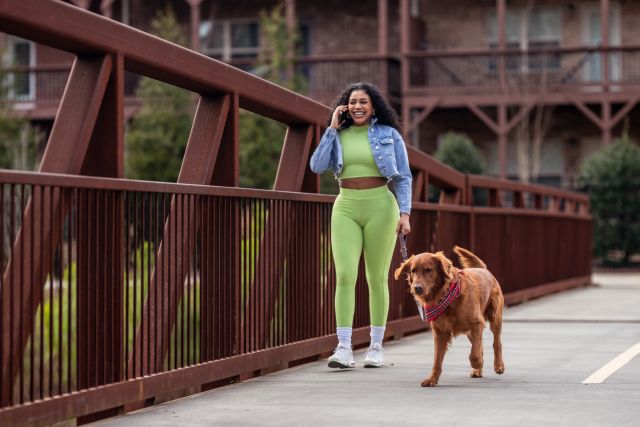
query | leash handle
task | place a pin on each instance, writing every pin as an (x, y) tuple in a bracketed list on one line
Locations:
[(403, 246), (403, 253)]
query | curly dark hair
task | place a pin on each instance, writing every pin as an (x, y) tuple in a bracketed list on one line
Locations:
[(384, 112)]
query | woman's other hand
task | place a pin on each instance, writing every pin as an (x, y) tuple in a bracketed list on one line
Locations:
[(404, 226)]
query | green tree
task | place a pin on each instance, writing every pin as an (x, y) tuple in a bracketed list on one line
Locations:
[(261, 138), (19, 140), (260, 147), (458, 151), (611, 177), (157, 136)]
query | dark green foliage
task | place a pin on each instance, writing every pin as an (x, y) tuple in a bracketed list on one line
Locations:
[(612, 179), (19, 140), (261, 139), (260, 146), (157, 136), (458, 151)]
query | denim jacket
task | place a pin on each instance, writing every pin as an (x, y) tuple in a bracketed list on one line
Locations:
[(389, 153)]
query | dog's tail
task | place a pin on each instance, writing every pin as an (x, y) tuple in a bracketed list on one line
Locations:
[(468, 259)]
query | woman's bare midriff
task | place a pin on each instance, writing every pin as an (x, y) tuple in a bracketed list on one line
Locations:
[(363, 183)]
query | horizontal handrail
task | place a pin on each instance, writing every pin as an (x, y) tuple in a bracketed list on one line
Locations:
[(479, 181)]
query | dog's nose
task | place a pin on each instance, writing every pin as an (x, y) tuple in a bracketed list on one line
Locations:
[(417, 289)]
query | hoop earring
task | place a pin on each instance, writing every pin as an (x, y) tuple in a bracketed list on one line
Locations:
[(373, 114)]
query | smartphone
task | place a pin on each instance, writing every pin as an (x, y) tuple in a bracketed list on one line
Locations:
[(344, 116)]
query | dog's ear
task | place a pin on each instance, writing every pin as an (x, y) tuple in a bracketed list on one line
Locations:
[(404, 268), (445, 266)]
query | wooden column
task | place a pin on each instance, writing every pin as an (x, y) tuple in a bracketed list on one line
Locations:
[(605, 13), (194, 5), (383, 45), (383, 27), (501, 15), (106, 8), (290, 14), (404, 62), (605, 10), (502, 139)]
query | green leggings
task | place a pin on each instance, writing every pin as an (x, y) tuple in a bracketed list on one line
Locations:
[(363, 219)]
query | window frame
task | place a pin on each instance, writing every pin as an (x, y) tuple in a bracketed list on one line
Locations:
[(9, 61), (227, 52)]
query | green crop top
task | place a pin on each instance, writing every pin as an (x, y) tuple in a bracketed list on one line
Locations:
[(356, 153)]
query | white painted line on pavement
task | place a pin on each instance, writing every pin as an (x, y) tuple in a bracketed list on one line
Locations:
[(622, 359)]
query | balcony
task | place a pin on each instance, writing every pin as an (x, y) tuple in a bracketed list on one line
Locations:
[(452, 76), (517, 72), (37, 90)]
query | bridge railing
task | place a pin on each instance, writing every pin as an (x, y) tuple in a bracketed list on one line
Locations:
[(118, 293), (242, 282)]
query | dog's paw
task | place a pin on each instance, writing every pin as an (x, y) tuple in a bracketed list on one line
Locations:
[(476, 373), (429, 382), (499, 369)]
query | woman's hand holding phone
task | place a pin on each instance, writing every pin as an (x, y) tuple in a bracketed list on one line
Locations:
[(339, 116)]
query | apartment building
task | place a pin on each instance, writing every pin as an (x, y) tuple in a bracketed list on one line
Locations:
[(538, 85)]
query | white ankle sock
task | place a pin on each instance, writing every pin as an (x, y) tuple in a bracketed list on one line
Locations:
[(344, 336), (377, 334)]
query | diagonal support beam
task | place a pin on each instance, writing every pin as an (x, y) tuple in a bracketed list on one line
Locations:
[(294, 158), (179, 231), (204, 141), (77, 115), (588, 112), (624, 110), (428, 109), (524, 111), (66, 152), (484, 117), (292, 170)]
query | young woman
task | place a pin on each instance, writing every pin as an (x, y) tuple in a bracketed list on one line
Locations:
[(364, 149)]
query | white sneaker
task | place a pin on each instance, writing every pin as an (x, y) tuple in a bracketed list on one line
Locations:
[(374, 358), (342, 358)]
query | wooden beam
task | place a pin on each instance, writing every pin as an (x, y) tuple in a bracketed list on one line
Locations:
[(294, 158), (227, 168), (197, 168), (383, 27), (79, 107), (484, 117), (624, 110), (65, 153), (204, 140), (588, 112), (428, 109), (524, 110)]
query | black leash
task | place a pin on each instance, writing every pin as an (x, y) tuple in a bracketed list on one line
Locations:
[(403, 254)]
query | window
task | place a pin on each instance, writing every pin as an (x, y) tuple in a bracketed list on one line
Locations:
[(227, 40), (20, 85), (544, 30)]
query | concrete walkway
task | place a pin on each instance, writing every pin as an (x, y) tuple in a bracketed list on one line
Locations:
[(550, 346)]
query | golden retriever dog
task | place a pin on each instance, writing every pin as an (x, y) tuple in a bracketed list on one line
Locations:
[(434, 282)]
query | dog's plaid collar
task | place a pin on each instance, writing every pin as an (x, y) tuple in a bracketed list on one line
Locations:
[(432, 312)]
